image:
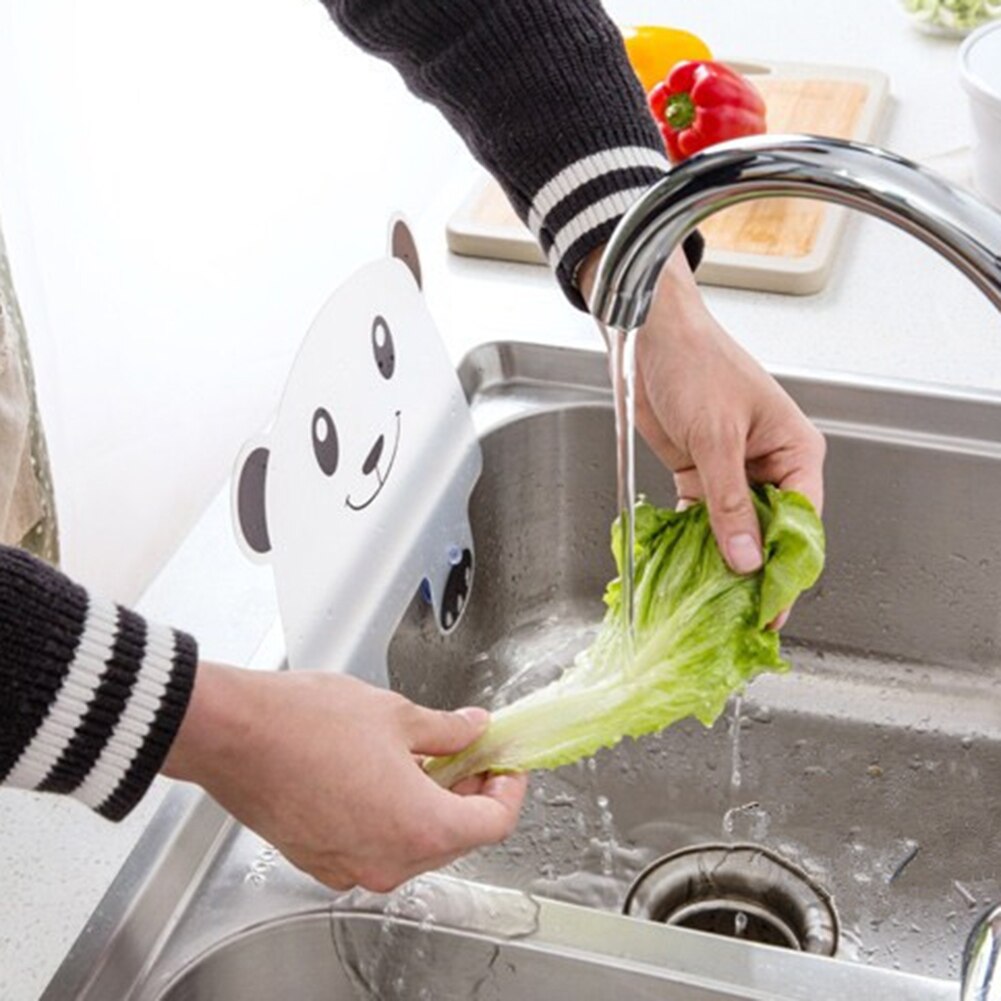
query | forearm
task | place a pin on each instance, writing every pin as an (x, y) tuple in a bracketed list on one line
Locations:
[(222, 726), (91, 694), (544, 97)]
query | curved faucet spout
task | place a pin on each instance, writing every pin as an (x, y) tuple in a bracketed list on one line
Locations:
[(959, 226)]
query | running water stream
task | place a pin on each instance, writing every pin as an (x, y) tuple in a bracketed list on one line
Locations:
[(622, 352)]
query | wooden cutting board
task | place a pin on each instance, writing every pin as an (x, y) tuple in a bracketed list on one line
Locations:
[(776, 244)]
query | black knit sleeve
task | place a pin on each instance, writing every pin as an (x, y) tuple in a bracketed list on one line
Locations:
[(91, 694), (543, 95)]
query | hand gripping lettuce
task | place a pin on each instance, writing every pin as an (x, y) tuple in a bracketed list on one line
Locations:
[(700, 634)]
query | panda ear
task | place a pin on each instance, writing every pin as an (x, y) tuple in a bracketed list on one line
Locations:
[(250, 515), (403, 247)]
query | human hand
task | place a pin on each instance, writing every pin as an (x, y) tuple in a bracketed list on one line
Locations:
[(328, 770), (713, 415)]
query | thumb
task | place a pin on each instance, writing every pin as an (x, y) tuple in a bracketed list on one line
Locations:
[(434, 732), (728, 498)]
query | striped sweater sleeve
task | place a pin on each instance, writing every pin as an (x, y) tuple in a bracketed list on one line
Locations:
[(543, 95), (91, 694)]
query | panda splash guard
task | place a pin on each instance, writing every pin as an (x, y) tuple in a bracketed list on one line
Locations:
[(358, 495)]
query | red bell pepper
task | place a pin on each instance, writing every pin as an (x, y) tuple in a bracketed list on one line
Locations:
[(703, 102)]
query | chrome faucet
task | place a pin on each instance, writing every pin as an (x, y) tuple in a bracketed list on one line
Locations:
[(982, 959), (959, 226)]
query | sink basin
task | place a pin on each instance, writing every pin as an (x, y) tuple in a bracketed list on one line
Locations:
[(867, 779), (875, 765)]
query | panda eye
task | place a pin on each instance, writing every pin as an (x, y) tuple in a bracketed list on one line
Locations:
[(325, 446), (382, 348)]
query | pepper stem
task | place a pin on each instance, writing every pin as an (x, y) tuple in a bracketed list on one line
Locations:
[(680, 111)]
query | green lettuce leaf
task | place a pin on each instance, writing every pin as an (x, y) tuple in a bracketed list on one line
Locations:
[(700, 634)]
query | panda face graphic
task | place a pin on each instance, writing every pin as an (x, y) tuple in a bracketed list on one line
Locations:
[(359, 490), (381, 456), (371, 465)]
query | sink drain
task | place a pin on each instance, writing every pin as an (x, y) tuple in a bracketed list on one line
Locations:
[(740, 891)]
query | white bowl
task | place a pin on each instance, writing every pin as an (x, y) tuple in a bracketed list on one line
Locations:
[(980, 72)]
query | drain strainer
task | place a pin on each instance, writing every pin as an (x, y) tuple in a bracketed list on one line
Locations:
[(740, 891)]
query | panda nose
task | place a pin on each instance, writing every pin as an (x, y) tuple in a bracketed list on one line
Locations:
[(373, 457)]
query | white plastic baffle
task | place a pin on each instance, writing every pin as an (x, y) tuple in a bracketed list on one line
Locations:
[(358, 495)]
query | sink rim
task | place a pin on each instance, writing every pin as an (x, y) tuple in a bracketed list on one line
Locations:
[(679, 957)]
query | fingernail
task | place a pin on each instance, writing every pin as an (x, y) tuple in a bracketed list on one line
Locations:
[(474, 714), (744, 553), (499, 782)]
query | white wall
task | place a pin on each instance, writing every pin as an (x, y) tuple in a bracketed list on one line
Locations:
[(182, 184)]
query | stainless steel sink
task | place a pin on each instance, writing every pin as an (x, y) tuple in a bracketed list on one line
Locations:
[(873, 769), (875, 765)]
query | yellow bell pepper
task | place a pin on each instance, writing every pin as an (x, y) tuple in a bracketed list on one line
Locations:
[(653, 50)]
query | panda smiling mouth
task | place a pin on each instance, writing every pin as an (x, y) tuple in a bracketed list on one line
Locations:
[(372, 465)]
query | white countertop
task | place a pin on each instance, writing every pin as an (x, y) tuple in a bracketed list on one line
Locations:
[(891, 309)]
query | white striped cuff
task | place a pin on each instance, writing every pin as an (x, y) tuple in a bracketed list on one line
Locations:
[(76, 696), (585, 170), (135, 722), (72, 700), (604, 210), (575, 211)]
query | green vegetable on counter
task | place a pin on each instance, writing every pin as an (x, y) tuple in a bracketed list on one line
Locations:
[(953, 15), (700, 634)]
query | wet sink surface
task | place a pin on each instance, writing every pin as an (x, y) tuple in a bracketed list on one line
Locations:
[(874, 767)]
